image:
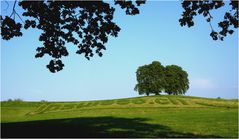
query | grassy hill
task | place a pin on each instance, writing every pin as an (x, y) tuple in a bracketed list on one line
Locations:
[(153, 116)]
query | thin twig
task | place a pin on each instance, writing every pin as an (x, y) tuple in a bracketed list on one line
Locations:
[(14, 13), (211, 25), (210, 17), (19, 17), (7, 6), (13, 9)]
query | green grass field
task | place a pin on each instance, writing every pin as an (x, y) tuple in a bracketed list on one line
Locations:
[(153, 116)]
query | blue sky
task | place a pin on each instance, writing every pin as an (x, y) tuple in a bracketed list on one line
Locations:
[(154, 34)]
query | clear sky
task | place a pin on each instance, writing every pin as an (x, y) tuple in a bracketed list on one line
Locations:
[(153, 35)]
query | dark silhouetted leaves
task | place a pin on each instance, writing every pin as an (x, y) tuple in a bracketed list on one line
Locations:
[(86, 24), (9, 28), (55, 65), (193, 8), (214, 35)]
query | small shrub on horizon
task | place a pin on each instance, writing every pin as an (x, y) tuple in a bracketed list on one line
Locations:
[(43, 101)]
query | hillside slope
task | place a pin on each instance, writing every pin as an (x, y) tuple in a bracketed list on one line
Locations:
[(153, 116)]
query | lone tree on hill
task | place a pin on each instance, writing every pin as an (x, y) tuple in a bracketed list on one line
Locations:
[(150, 79), (154, 79)]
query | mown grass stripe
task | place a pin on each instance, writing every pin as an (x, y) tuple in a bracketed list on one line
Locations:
[(173, 101), (183, 101)]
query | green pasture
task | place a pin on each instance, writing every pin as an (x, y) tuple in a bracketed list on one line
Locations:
[(153, 116)]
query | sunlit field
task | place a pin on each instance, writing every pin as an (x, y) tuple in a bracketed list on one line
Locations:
[(153, 116)]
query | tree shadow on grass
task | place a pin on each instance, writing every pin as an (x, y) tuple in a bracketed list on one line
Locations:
[(91, 127)]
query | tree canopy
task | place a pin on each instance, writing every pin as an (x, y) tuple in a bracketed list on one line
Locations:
[(155, 78), (176, 80), (194, 8), (88, 24), (150, 79)]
